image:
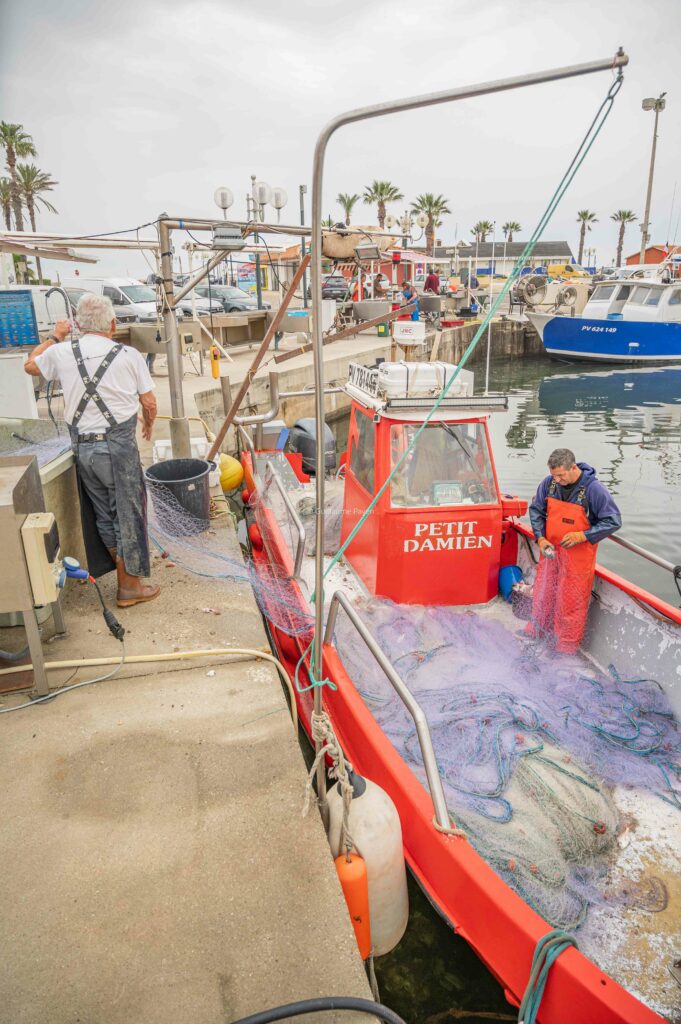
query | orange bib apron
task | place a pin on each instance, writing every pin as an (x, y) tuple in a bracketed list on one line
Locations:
[(562, 589)]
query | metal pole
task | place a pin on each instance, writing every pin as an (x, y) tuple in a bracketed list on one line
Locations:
[(179, 424), (646, 218), (489, 325), (302, 189), (362, 114)]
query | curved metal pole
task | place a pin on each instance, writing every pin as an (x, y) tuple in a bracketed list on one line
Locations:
[(362, 114), (339, 600)]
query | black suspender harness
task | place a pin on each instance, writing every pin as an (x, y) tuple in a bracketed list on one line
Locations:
[(91, 393), (581, 495)]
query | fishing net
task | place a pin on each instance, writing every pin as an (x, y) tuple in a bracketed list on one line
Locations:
[(197, 546), (44, 450), (528, 745)]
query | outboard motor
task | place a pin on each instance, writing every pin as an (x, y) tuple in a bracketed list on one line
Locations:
[(303, 439)]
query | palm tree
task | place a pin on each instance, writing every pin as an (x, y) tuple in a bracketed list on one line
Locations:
[(347, 201), (586, 218), (435, 207), (509, 229), (33, 183), (6, 202), (622, 217), (16, 142), (381, 192), (482, 229)]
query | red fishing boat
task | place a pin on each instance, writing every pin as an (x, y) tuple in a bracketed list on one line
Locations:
[(521, 809)]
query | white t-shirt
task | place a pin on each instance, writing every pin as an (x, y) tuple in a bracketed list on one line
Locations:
[(125, 380)]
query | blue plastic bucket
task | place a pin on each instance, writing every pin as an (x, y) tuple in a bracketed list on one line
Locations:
[(508, 575)]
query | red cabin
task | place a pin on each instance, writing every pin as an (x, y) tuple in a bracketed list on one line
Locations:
[(437, 534)]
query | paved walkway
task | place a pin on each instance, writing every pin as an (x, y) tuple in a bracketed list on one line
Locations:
[(157, 867)]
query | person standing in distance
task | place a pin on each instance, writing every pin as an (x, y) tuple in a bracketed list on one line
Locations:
[(104, 385), (570, 513)]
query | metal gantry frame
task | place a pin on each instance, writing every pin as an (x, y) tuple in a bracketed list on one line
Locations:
[(363, 114)]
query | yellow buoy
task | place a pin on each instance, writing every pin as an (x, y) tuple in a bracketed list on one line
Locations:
[(231, 473)]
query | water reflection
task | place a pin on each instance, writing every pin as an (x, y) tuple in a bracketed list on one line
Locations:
[(625, 422)]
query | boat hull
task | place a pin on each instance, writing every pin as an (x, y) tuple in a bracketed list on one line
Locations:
[(608, 341), (500, 927)]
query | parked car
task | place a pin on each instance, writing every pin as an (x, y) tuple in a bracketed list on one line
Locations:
[(124, 315), (334, 286), (567, 270), (200, 305), (232, 300), (128, 296)]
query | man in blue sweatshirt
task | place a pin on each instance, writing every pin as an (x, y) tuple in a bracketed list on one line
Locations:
[(570, 513)]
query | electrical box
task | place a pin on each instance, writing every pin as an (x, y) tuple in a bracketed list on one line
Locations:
[(40, 538), (227, 237)]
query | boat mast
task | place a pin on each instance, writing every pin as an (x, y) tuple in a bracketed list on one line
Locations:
[(362, 114)]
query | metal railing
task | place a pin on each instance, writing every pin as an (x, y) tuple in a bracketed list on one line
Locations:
[(649, 555), (272, 477), (412, 705)]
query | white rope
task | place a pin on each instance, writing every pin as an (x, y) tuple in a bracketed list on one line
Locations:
[(323, 734)]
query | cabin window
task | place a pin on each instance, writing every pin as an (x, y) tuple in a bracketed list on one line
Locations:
[(640, 293), (449, 465), (624, 292), (362, 452), (654, 297), (675, 297), (603, 292)]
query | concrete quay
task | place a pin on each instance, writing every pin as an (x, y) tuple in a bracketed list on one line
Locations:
[(157, 867)]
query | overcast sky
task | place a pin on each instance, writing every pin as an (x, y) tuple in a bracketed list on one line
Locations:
[(143, 106)]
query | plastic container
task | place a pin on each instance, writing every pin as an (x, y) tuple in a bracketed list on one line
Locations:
[(418, 380), (615, 316), (186, 480), (508, 575)]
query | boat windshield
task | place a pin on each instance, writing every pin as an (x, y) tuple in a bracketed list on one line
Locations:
[(640, 293), (654, 297), (449, 465), (603, 292)]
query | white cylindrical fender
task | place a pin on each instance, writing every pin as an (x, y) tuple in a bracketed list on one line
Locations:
[(375, 827)]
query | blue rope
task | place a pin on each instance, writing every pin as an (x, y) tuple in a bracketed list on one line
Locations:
[(546, 952)]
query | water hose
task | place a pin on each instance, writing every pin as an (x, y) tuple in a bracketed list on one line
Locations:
[(322, 1003), (143, 659)]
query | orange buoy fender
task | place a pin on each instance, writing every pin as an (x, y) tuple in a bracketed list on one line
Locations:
[(255, 536), (245, 496), (353, 879)]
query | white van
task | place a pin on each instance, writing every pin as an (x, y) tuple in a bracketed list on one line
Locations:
[(130, 298)]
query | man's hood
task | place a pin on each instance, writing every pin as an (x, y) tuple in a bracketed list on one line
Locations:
[(588, 473)]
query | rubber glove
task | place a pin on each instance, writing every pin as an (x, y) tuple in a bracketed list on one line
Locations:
[(571, 539)]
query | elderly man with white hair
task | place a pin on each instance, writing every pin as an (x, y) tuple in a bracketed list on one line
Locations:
[(104, 385)]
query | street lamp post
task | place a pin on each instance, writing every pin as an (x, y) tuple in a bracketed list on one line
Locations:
[(302, 189), (658, 105)]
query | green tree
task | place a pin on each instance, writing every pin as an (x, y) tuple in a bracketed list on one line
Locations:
[(16, 143), (6, 202), (509, 229), (347, 201), (381, 192), (482, 229), (33, 183), (586, 218), (435, 207), (622, 217), (329, 222)]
